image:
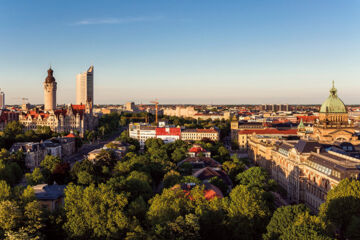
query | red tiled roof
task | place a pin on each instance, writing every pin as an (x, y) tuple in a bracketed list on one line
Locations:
[(197, 149), (168, 131), (78, 107), (269, 131), (70, 136), (35, 114), (307, 118)]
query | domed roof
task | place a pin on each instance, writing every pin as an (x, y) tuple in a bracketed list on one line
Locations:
[(50, 78), (333, 103)]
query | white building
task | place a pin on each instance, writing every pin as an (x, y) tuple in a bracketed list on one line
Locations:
[(85, 87), (142, 132)]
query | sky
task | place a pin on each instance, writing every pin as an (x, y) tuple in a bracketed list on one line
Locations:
[(183, 51)]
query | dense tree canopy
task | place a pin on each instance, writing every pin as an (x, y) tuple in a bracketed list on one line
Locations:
[(342, 206)]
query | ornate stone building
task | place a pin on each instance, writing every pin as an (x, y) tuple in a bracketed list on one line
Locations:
[(74, 117), (308, 168), (305, 169), (333, 123)]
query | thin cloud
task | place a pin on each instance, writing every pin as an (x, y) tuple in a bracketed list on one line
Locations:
[(117, 20)]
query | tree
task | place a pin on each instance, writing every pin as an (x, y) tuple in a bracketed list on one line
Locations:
[(342, 203), (247, 212), (85, 178), (34, 178), (171, 204), (5, 191), (10, 215), (283, 218), (233, 168), (33, 219), (28, 195), (95, 212), (171, 178), (353, 231), (50, 162), (183, 228), (178, 154), (13, 128), (305, 227), (256, 177)]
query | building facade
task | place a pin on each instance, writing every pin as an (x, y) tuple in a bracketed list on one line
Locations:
[(305, 169), (244, 135), (142, 132), (73, 118), (85, 87), (310, 167), (200, 134)]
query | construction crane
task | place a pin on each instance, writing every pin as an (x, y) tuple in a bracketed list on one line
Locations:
[(156, 102)]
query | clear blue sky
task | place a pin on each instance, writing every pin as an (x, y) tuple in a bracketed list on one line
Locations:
[(183, 51)]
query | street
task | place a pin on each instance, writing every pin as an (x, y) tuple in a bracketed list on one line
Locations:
[(86, 148)]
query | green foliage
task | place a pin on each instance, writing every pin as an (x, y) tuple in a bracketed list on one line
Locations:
[(183, 228), (10, 215), (233, 168), (283, 218), (5, 191), (14, 132), (256, 177), (34, 178), (247, 212), (95, 212), (28, 195), (305, 227), (50, 162), (341, 205), (167, 206), (171, 178), (10, 172)]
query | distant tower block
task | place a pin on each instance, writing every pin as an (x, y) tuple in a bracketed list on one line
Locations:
[(50, 92), (2, 100), (85, 87)]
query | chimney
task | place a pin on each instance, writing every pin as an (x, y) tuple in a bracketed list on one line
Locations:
[(317, 150)]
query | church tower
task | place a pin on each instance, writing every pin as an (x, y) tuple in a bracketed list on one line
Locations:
[(50, 91)]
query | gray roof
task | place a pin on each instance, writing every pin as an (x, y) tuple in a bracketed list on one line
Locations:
[(49, 192), (303, 146)]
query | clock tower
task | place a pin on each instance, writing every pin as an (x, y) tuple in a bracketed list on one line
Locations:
[(50, 91)]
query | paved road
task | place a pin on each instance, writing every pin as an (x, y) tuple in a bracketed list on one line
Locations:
[(86, 148)]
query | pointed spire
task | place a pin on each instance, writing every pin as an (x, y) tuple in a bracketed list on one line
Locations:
[(301, 125), (333, 90), (50, 78)]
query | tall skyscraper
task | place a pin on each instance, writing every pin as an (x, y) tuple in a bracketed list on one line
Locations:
[(85, 87), (2, 100), (50, 92)]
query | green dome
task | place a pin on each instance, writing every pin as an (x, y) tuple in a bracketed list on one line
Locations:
[(333, 103)]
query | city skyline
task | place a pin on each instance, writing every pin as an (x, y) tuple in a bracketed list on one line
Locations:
[(183, 52)]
